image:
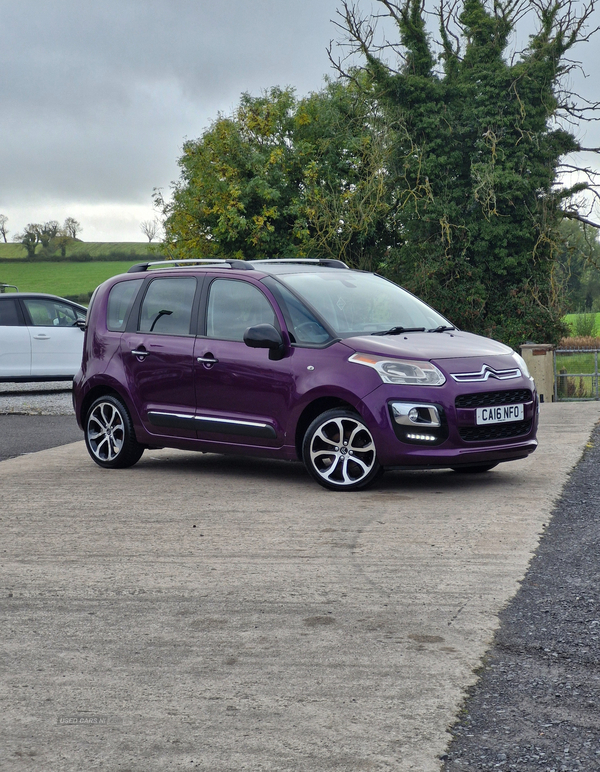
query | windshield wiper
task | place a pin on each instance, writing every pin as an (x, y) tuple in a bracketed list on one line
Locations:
[(442, 328), (399, 330)]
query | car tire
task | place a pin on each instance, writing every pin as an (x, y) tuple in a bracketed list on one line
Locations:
[(109, 434), (474, 468), (339, 451)]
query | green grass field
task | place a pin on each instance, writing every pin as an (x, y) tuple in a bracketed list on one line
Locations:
[(93, 248), (65, 279), (579, 321)]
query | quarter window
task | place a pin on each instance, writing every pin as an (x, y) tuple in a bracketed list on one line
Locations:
[(233, 306), (167, 306), (9, 316), (120, 301)]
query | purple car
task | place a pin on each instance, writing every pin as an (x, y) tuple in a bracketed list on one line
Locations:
[(295, 359)]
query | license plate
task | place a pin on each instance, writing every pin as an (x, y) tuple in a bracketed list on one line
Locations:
[(499, 415)]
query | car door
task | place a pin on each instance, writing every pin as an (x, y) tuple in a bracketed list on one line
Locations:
[(158, 357), (56, 340), (15, 341), (242, 395)]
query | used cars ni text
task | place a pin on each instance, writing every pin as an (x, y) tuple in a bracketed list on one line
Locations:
[(295, 359)]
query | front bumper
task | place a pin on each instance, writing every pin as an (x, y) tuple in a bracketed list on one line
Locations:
[(442, 431)]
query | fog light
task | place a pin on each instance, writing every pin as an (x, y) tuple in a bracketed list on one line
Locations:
[(413, 414)]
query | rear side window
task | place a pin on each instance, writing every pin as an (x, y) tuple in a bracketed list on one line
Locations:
[(167, 306), (9, 316), (120, 300), (233, 306)]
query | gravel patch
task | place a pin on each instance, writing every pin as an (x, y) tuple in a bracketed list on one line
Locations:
[(536, 704), (52, 398)]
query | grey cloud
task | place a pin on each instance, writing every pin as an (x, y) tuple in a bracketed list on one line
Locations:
[(96, 98)]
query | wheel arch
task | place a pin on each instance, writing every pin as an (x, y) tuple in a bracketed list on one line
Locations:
[(314, 409), (102, 390)]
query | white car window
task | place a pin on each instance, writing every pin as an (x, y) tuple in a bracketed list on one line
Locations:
[(51, 313)]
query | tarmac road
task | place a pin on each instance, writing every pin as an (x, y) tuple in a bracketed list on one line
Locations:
[(34, 417), (23, 434), (220, 614)]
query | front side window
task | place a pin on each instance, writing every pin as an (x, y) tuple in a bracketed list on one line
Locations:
[(120, 300), (45, 312), (303, 325), (233, 306), (167, 306)]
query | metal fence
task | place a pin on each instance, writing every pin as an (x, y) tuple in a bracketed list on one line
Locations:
[(576, 375)]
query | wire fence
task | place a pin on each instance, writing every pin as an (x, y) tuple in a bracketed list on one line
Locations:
[(576, 375)]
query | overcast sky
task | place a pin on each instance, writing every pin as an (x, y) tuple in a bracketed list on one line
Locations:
[(96, 98)]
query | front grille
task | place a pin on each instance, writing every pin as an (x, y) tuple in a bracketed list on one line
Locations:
[(488, 398), (495, 431)]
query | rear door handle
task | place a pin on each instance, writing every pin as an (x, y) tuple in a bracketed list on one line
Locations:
[(140, 353), (41, 337), (208, 360)]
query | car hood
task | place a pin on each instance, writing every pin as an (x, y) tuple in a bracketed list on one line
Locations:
[(429, 345)]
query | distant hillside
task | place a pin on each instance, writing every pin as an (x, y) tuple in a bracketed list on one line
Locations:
[(95, 249)]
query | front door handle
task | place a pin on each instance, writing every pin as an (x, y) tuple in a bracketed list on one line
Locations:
[(208, 361), (140, 352), (41, 337)]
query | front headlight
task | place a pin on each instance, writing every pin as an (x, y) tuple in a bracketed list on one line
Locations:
[(407, 372), (522, 365)]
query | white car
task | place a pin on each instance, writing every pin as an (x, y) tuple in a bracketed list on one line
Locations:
[(41, 337)]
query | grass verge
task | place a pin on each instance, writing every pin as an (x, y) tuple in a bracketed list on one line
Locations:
[(69, 280)]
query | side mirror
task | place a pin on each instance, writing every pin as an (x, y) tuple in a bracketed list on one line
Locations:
[(265, 336)]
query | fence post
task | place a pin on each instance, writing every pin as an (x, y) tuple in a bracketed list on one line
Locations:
[(539, 358)]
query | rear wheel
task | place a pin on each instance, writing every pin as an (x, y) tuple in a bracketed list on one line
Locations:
[(339, 451), (109, 434)]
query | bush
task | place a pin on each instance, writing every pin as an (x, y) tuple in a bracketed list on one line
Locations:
[(584, 325)]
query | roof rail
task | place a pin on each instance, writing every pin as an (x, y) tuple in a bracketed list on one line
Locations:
[(141, 267), (325, 262), (240, 265)]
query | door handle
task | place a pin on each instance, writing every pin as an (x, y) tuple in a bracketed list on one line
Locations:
[(207, 360), (140, 353), (41, 337)]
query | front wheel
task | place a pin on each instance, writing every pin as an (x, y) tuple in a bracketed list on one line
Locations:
[(109, 434), (339, 451)]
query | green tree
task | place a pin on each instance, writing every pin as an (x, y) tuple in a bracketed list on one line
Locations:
[(579, 263), (475, 167), (30, 237), (283, 177), (238, 185)]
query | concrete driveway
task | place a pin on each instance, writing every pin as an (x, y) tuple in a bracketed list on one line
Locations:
[(208, 613)]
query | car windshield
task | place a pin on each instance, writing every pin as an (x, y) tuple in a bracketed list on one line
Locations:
[(362, 303)]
